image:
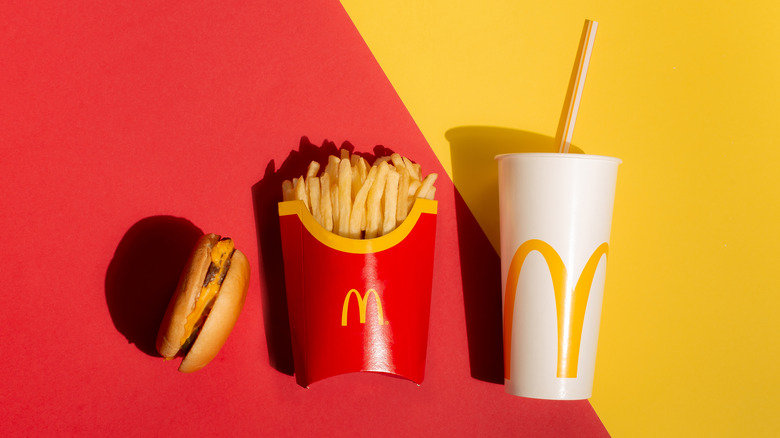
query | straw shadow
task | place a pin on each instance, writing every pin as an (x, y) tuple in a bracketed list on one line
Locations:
[(143, 274), (266, 194), (475, 175)]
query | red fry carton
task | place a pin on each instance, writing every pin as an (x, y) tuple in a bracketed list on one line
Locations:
[(358, 305)]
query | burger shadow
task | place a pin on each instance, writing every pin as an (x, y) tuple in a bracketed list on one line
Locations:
[(143, 274), (266, 194), (475, 175)]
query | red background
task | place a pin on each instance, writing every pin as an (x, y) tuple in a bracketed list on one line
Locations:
[(126, 129)]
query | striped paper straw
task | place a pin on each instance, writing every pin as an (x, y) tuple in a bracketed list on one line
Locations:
[(576, 83)]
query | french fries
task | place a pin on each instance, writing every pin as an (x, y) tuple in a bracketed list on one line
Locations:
[(352, 199)]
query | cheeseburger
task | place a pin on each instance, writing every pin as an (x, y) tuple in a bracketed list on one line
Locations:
[(203, 310)]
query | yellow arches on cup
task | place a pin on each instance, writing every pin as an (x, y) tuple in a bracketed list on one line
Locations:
[(570, 305)]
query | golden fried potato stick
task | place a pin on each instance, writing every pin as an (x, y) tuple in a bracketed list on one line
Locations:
[(332, 168), (402, 205), (414, 169), (356, 181), (362, 169), (426, 185), (288, 192), (391, 201), (313, 184), (301, 192), (398, 161), (357, 220), (314, 167), (345, 195), (334, 198), (414, 186), (352, 199), (374, 201), (359, 174), (326, 205)]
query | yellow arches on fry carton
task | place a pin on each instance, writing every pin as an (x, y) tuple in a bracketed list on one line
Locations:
[(358, 246)]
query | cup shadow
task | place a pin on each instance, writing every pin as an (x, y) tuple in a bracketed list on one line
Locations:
[(475, 175), (266, 194), (143, 274)]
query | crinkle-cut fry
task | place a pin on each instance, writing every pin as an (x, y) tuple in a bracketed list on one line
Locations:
[(357, 220), (326, 205), (345, 194), (301, 192), (288, 192), (314, 167), (334, 199), (398, 160), (390, 201), (426, 185), (313, 184), (402, 205), (344, 154), (374, 201)]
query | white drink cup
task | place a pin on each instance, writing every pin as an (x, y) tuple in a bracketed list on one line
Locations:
[(555, 219)]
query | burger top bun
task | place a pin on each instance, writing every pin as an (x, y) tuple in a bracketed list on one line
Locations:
[(190, 282), (222, 317)]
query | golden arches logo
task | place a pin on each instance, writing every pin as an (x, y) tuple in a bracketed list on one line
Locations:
[(569, 305), (362, 301)]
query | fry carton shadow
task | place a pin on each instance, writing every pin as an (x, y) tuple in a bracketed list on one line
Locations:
[(143, 274), (266, 194), (475, 175)]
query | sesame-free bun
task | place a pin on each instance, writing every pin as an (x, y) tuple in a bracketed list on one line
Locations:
[(222, 317)]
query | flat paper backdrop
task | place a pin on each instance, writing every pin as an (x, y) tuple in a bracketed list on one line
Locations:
[(126, 130)]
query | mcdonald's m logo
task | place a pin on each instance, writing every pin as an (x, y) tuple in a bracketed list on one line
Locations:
[(362, 301), (570, 304)]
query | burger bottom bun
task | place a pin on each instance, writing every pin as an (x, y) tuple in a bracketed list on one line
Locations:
[(223, 316)]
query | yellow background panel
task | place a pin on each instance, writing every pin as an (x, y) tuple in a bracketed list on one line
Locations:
[(687, 94)]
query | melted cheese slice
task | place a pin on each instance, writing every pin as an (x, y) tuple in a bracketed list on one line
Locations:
[(220, 254)]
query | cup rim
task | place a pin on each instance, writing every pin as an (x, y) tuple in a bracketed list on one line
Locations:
[(556, 155)]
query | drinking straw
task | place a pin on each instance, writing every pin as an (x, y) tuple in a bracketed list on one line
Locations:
[(576, 83)]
